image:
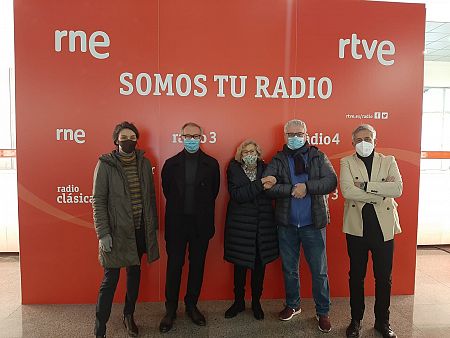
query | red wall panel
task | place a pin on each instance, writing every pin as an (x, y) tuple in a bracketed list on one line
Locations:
[(75, 90)]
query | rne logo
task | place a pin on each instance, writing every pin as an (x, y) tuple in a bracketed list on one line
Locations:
[(98, 39)]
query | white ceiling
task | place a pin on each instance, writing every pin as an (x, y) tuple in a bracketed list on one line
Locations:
[(437, 41), (437, 30), (436, 10)]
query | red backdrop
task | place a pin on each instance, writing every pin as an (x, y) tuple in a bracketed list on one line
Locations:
[(64, 89)]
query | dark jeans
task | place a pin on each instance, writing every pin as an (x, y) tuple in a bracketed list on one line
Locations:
[(382, 255), (189, 237), (109, 284), (313, 240), (257, 280)]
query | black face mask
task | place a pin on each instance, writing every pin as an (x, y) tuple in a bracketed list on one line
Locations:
[(127, 146)]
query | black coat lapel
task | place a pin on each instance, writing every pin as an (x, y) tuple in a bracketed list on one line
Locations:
[(202, 169), (179, 171)]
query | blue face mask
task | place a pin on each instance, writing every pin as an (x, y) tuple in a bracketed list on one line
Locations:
[(295, 142), (191, 145)]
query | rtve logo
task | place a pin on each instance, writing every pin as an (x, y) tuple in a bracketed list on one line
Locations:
[(382, 49), (69, 39)]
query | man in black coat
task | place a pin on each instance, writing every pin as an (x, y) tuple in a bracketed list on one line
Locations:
[(190, 183), (305, 177)]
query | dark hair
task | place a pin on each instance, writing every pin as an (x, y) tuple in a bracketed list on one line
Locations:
[(120, 127), (191, 124)]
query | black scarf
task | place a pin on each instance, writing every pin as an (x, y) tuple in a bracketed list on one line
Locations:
[(297, 154)]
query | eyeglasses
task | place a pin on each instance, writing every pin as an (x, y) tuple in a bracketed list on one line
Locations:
[(189, 136), (247, 152), (367, 139), (295, 134)]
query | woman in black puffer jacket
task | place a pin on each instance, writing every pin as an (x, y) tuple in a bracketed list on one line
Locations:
[(250, 232)]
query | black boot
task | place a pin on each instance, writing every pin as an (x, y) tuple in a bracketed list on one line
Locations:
[(130, 325), (385, 329), (235, 308), (167, 322), (196, 316), (354, 329), (258, 313)]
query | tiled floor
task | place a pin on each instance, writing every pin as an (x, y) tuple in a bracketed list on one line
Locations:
[(427, 314)]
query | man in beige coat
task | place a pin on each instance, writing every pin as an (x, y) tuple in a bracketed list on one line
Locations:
[(369, 183)]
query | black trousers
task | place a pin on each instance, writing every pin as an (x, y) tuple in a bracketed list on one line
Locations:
[(188, 237), (382, 256), (257, 280), (109, 284)]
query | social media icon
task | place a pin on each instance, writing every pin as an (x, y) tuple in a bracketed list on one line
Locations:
[(377, 115), (384, 115)]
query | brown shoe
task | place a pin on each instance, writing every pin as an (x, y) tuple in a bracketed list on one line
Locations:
[(324, 323), (288, 313)]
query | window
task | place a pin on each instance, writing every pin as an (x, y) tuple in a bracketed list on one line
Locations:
[(7, 108), (435, 123)]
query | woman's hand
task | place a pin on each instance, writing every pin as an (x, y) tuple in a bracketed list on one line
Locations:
[(268, 182)]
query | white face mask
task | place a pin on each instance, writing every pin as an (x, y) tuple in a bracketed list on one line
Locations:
[(364, 148)]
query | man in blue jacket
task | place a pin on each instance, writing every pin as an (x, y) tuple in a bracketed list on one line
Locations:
[(305, 177)]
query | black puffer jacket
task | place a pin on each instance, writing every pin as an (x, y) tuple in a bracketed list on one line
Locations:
[(249, 219), (322, 180)]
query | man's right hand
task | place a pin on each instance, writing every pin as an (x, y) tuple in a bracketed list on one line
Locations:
[(299, 190), (106, 243)]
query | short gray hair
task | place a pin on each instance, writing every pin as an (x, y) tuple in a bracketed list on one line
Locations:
[(365, 127), (294, 123), (191, 124)]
